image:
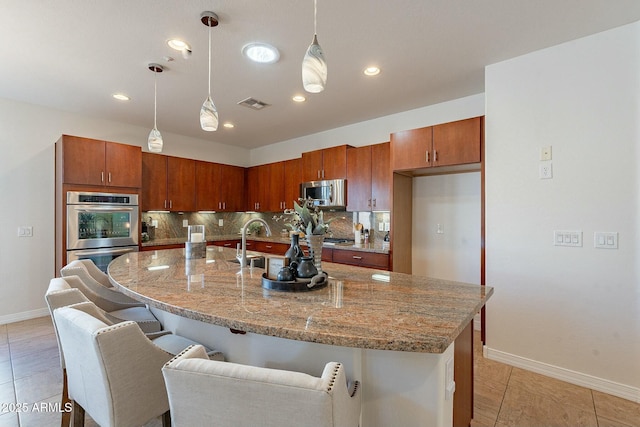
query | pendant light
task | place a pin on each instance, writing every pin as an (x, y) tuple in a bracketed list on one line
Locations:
[(314, 66), (208, 112), (154, 141)]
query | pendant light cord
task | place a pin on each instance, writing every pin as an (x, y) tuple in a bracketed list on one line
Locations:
[(209, 56), (155, 98), (315, 21)]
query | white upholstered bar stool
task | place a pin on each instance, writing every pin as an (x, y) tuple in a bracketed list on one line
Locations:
[(113, 372), (60, 294), (88, 271), (205, 392), (119, 306)]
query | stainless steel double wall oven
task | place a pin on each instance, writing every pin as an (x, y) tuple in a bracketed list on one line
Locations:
[(101, 226)]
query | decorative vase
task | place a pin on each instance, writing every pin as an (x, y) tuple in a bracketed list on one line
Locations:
[(294, 253), (315, 242)]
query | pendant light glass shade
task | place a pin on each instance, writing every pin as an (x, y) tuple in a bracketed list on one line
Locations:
[(208, 112), (314, 68), (208, 115), (154, 141)]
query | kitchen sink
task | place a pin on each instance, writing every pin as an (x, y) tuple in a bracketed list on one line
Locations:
[(258, 261)]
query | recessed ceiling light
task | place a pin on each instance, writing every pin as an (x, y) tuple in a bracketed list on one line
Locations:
[(371, 71), (299, 98), (229, 125), (178, 45), (262, 53), (121, 97)]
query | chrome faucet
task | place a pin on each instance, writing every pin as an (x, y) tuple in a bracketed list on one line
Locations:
[(242, 257)]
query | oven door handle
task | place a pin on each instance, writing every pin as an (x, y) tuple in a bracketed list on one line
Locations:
[(104, 251), (103, 208)]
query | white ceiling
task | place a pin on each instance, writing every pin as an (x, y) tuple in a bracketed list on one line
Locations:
[(73, 54)]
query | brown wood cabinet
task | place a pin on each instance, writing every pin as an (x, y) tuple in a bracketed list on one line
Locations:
[(329, 163), (454, 143), (292, 181), (368, 178), (168, 183), (257, 184), (361, 259), (273, 187), (275, 248), (226, 243), (219, 187), (87, 161)]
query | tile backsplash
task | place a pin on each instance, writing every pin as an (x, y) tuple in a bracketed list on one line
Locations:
[(170, 225)]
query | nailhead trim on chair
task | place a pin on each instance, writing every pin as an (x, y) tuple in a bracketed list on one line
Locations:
[(178, 355), (333, 378)]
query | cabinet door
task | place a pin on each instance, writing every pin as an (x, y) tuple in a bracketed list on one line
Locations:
[(154, 182), (231, 182), (457, 143), (275, 198), (292, 181), (207, 186), (411, 149), (359, 179), (83, 160), (380, 177), (181, 184), (257, 187), (123, 164), (334, 162), (312, 166)]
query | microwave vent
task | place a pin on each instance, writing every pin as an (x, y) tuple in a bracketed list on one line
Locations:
[(253, 103)]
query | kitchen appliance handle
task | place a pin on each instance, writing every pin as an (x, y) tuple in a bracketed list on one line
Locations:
[(104, 251), (103, 208)]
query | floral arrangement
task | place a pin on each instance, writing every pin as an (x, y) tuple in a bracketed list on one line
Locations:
[(307, 218)]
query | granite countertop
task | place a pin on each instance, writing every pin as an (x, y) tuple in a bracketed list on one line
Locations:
[(358, 307), (375, 247)]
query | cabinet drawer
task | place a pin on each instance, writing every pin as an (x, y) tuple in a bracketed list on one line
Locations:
[(226, 243), (270, 247), (361, 259)]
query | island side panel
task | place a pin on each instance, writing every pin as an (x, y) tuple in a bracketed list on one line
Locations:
[(398, 387)]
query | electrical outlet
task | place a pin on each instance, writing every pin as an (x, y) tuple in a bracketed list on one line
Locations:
[(386, 226), (546, 171), (185, 222), (154, 222), (439, 229), (381, 226), (220, 222)]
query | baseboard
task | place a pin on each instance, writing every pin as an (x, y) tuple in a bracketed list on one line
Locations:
[(25, 315), (567, 375)]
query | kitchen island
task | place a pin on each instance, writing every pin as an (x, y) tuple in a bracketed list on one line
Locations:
[(394, 332)]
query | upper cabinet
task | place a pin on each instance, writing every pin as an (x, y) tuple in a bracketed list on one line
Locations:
[(92, 162), (292, 181), (330, 163), (274, 186), (168, 183), (219, 187), (368, 178), (454, 143)]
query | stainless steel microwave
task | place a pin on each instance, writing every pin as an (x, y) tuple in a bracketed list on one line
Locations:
[(330, 194)]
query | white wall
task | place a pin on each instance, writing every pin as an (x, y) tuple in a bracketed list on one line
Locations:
[(570, 312), (27, 137), (453, 201)]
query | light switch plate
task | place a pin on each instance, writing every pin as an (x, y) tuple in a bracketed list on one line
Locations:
[(185, 222), (567, 238), (605, 240), (25, 231)]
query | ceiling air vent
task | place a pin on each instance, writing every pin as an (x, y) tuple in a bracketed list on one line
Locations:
[(253, 104)]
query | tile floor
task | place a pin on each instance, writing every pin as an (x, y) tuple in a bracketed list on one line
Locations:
[(504, 396)]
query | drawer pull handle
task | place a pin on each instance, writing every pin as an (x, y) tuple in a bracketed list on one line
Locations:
[(357, 257)]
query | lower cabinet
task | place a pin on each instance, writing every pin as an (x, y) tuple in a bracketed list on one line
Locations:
[(361, 259), (226, 243)]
